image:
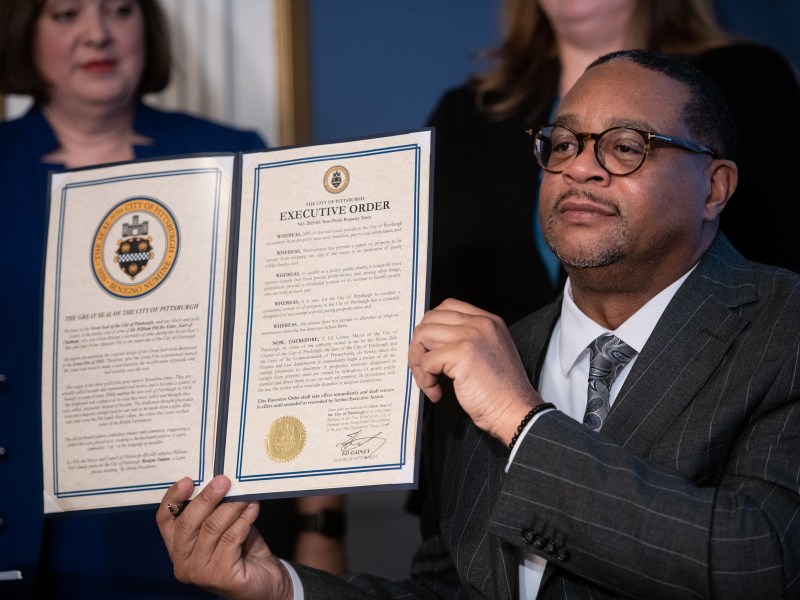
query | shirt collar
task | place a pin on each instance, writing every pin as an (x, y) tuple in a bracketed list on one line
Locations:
[(577, 331)]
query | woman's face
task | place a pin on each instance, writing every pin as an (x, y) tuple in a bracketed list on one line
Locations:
[(588, 19), (91, 51)]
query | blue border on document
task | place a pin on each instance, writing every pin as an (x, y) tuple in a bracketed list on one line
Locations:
[(59, 257), (390, 466)]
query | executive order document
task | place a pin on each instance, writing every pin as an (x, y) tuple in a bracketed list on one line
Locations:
[(241, 314)]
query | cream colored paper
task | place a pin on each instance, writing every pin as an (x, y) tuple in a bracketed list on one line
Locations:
[(130, 364), (325, 303), (321, 396)]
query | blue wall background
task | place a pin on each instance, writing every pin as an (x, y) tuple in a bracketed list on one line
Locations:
[(381, 65)]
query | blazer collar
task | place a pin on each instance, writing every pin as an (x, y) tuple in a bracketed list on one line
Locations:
[(37, 133), (532, 334), (688, 343)]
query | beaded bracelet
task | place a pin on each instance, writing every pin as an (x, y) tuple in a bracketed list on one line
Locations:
[(526, 419)]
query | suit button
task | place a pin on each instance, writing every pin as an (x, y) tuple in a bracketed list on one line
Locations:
[(550, 547), (3, 382), (527, 535), (563, 554), (2, 452), (539, 541)]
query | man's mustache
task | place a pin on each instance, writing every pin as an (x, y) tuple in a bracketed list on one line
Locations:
[(584, 195)]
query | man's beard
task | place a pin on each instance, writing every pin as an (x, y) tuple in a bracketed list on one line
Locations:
[(599, 254)]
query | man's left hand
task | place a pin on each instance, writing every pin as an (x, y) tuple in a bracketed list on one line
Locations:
[(474, 349)]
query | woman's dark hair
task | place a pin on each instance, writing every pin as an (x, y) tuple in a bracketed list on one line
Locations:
[(18, 72)]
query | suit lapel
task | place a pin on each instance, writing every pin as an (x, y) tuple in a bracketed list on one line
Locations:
[(689, 342), (531, 336)]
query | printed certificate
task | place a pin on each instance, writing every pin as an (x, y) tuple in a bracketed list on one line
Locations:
[(243, 314)]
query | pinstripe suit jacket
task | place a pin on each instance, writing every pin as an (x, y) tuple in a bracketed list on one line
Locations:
[(691, 490)]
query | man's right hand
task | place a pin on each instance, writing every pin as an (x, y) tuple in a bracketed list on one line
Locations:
[(214, 545)]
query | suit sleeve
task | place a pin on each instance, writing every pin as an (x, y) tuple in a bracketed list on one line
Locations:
[(630, 526), (433, 573), (431, 579)]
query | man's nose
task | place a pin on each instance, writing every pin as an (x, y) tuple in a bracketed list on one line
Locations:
[(586, 166)]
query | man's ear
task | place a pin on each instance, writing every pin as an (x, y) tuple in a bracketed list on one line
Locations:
[(724, 176)]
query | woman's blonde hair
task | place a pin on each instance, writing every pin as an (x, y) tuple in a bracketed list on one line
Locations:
[(527, 60)]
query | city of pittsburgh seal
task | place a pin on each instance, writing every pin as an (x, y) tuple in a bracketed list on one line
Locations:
[(135, 247), (336, 179), (285, 439)]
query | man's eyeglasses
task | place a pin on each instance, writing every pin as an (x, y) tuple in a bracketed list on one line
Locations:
[(619, 150)]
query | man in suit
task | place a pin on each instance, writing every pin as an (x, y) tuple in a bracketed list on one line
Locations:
[(679, 477)]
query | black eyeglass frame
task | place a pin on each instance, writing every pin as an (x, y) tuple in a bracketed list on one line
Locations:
[(647, 136)]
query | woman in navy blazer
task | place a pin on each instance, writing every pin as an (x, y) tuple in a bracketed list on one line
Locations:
[(70, 552), (84, 63)]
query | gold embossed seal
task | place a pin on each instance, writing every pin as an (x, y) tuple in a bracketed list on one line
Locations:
[(336, 179), (285, 439), (135, 247)]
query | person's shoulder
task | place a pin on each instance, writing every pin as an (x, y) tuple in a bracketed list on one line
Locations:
[(755, 79), (458, 95), (745, 59), (778, 301), (13, 125), (182, 120), (28, 134), (11, 132), (17, 125), (743, 50), (773, 278), (777, 282), (201, 134), (732, 273), (456, 104)]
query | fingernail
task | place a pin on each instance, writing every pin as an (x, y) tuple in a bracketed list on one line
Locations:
[(218, 483)]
